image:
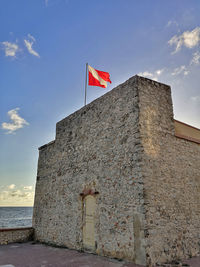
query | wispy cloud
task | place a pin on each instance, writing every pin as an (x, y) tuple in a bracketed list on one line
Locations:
[(195, 98), (31, 37), (146, 74), (17, 121), (46, 2), (180, 70), (171, 22), (20, 195), (188, 39), (12, 186), (159, 72), (152, 75), (3, 195), (29, 43), (10, 49), (28, 187), (195, 58), (17, 194)]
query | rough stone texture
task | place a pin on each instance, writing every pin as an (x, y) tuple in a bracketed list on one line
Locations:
[(96, 148), (171, 178), (122, 146), (15, 235)]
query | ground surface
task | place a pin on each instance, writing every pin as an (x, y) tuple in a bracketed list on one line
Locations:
[(38, 255)]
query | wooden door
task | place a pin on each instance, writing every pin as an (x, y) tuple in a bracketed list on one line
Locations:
[(89, 222)]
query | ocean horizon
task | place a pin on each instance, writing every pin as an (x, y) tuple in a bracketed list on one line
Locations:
[(16, 216)]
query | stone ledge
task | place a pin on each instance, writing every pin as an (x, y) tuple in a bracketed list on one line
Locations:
[(44, 146), (15, 229), (11, 235)]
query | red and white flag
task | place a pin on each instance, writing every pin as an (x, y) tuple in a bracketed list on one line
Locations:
[(98, 78)]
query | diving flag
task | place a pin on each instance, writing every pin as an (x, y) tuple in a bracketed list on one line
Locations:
[(97, 77)]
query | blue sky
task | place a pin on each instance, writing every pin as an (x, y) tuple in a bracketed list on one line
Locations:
[(44, 46)]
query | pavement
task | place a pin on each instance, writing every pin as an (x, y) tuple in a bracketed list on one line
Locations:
[(39, 255)]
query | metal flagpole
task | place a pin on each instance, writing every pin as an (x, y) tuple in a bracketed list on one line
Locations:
[(86, 83)]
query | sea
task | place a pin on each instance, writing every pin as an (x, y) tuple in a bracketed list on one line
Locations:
[(15, 217)]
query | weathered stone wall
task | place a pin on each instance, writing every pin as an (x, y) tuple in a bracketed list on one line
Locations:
[(13, 235), (96, 149), (123, 147), (171, 177)]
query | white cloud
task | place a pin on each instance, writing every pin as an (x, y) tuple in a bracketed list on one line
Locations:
[(188, 39), (146, 74), (29, 43), (152, 75), (195, 58), (195, 98), (159, 72), (17, 194), (28, 187), (4, 195), (179, 70), (12, 186), (17, 121), (169, 23), (10, 49), (31, 37), (17, 197)]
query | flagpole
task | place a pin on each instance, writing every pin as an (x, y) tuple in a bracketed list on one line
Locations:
[(86, 83)]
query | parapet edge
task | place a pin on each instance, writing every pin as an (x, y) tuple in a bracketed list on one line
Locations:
[(133, 78), (48, 144)]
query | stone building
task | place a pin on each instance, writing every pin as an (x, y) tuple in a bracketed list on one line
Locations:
[(122, 178)]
